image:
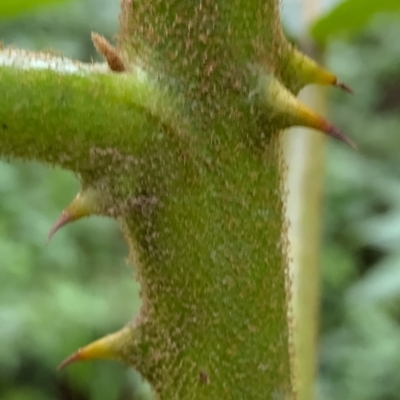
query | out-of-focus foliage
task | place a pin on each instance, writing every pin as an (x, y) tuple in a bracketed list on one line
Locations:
[(56, 297), (350, 16), (59, 296), (9, 8), (360, 329)]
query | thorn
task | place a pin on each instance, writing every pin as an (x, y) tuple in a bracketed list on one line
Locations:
[(84, 204), (110, 347), (305, 70), (336, 134), (306, 117), (77, 356), (344, 87), (62, 220), (110, 53), (288, 111)]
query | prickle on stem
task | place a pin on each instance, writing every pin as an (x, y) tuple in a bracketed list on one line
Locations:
[(288, 111), (110, 347), (84, 204), (110, 53), (306, 71)]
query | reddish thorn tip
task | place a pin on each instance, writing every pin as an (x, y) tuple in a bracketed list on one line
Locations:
[(63, 219), (69, 360), (335, 133), (344, 87)]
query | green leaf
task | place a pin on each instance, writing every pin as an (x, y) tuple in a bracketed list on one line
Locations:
[(349, 17), (11, 8)]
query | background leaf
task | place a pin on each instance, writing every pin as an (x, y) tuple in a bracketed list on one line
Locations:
[(350, 16), (10, 8)]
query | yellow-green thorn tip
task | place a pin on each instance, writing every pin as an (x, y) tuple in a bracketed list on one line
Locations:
[(305, 70), (288, 111), (84, 204), (110, 347)]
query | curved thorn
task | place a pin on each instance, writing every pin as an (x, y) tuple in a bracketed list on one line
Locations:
[(70, 359), (62, 220), (86, 202), (109, 347)]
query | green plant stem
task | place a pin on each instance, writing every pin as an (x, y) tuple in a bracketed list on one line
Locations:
[(61, 117), (210, 312)]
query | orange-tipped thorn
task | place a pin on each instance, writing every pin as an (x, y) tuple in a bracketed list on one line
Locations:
[(305, 70), (62, 220), (84, 204), (77, 356), (324, 77), (109, 347), (336, 134), (343, 86), (306, 117), (288, 111)]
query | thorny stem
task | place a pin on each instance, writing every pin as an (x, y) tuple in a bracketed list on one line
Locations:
[(192, 164)]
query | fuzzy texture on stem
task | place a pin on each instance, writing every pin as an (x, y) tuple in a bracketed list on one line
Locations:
[(183, 146), (203, 216)]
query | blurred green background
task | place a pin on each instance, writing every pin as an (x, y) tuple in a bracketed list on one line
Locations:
[(54, 298)]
